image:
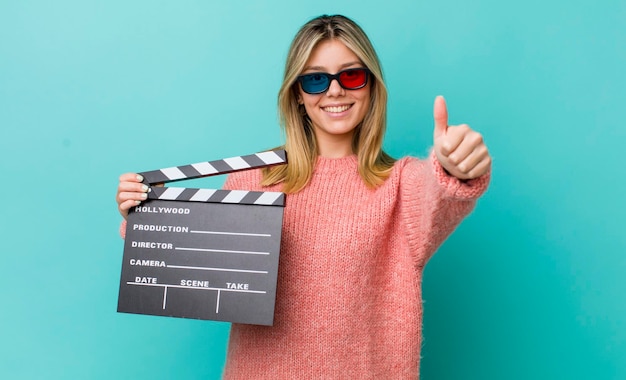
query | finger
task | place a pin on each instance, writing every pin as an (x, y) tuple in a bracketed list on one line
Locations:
[(453, 139), (132, 186), (127, 205), (125, 196), (473, 159), (466, 142), (440, 115), (480, 169), (131, 177)]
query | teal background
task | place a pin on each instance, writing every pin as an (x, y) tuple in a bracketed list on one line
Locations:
[(531, 286)]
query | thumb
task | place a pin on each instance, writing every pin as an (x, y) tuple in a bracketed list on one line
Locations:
[(440, 114)]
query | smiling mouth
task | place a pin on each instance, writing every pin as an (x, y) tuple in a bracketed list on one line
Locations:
[(336, 109)]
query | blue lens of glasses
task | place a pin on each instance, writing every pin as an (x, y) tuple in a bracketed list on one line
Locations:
[(314, 83)]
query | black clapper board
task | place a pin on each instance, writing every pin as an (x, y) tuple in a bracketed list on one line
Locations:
[(202, 253)]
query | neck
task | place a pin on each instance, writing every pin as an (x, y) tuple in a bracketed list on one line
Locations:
[(335, 148)]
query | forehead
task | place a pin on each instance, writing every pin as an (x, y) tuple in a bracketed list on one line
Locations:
[(331, 55)]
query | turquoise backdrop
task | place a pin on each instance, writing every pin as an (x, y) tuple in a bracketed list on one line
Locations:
[(531, 286)]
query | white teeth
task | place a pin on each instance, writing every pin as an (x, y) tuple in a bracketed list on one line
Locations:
[(336, 109)]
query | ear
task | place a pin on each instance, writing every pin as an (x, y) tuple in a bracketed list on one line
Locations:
[(300, 101)]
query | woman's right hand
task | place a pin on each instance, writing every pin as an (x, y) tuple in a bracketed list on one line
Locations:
[(130, 192)]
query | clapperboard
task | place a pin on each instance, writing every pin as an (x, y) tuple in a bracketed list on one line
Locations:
[(202, 253)]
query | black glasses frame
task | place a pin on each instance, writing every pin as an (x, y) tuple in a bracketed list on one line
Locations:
[(330, 78)]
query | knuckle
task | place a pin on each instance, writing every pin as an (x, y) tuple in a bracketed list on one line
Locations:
[(464, 128), (488, 161), (128, 177)]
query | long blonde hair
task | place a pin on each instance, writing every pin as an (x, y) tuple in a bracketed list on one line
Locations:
[(300, 143)]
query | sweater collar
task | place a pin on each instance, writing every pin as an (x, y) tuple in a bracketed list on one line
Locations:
[(329, 165)]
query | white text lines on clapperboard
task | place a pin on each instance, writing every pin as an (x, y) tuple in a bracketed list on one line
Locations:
[(221, 241)]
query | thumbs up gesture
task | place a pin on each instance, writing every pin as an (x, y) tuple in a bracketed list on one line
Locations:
[(459, 149)]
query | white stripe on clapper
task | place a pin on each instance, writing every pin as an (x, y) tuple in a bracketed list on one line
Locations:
[(234, 196), (204, 168), (172, 193), (202, 195), (270, 157), (267, 198), (236, 163), (173, 173)]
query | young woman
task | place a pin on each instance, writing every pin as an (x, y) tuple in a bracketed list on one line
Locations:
[(358, 226)]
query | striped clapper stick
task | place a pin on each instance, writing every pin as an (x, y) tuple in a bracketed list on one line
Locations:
[(203, 253)]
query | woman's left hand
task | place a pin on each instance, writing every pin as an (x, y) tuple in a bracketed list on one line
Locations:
[(459, 149)]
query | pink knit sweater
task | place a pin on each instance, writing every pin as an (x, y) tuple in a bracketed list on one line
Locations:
[(348, 303)]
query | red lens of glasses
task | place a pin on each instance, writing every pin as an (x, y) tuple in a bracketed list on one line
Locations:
[(353, 78)]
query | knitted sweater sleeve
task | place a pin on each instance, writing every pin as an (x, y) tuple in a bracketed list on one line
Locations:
[(123, 229), (434, 203)]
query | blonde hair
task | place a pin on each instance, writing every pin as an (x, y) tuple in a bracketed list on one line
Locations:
[(300, 143)]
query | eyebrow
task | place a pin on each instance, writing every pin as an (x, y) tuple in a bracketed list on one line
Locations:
[(343, 66)]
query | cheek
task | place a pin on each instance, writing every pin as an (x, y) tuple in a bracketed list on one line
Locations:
[(364, 101), (309, 108), (310, 103)]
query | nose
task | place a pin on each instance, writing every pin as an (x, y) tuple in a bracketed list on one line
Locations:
[(334, 89)]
